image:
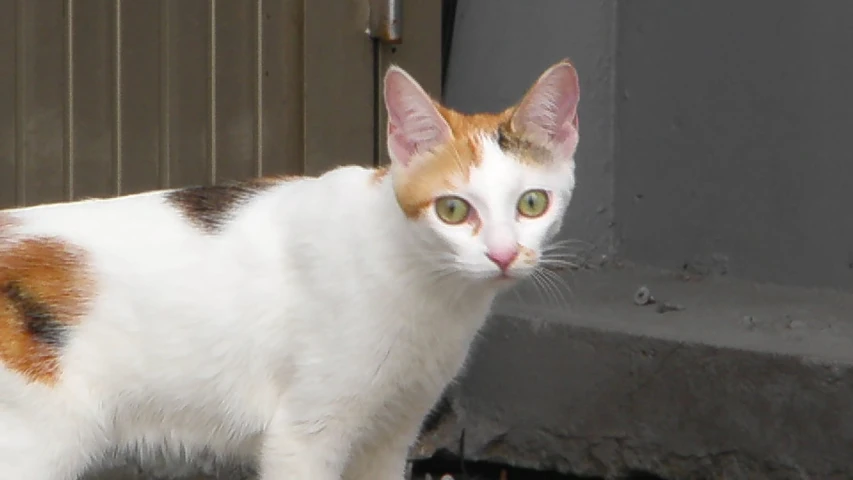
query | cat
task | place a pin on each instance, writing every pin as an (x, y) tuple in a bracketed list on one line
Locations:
[(307, 325)]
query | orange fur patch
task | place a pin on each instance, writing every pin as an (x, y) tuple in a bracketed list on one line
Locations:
[(455, 159), (44, 290), (426, 179), (478, 225), (379, 174), (526, 254)]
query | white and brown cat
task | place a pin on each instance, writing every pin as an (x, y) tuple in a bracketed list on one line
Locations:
[(305, 324)]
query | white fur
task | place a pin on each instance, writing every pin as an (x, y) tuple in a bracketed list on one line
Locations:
[(312, 334), (493, 191)]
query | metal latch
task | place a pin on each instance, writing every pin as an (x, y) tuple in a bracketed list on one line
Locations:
[(386, 20)]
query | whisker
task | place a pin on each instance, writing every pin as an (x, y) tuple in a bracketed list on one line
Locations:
[(559, 298), (560, 264), (538, 286), (549, 288), (567, 243), (559, 259), (559, 282)]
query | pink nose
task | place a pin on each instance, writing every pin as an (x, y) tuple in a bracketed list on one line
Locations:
[(503, 258)]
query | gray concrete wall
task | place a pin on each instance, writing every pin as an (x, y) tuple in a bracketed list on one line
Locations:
[(734, 122), (501, 46), (724, 141), (713, 136)]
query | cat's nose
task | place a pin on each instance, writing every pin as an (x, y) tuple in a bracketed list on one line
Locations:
[(503, 257)]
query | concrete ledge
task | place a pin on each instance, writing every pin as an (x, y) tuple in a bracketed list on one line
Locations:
[(745, 382)]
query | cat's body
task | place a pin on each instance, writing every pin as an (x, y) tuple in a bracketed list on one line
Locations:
[(207, 334), (306, 324)]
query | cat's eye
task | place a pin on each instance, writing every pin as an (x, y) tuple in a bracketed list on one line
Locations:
[(452, 210), (533, 203)]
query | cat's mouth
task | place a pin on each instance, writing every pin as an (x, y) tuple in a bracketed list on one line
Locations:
[(494, 276), (504, 277)]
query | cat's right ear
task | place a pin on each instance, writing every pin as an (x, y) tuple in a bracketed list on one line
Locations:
[(415, 125)]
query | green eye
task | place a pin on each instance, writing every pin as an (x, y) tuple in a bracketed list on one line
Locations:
[(452, 210), (533, 203)]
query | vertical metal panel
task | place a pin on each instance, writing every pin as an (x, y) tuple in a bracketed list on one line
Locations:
[(419, 54), (90, 29), (145, 120), (236, 81), (282, 77), (41, 99), (100, 97), (118, 94), (8, 102), (191, 145), (339, 85)]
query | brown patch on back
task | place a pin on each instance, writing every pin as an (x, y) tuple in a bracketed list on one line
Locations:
[(210, 207), (44, 291), (416, 192)]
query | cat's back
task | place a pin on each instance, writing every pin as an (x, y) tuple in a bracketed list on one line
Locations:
[(133, 298), (105, 280), (100, 226), (153, 277), (112, 313), (163, 217)]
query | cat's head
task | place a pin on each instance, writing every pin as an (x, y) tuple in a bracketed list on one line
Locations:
[(487, 192)]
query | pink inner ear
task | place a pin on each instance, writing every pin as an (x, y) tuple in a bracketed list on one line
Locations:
[(414, 124), (549, 110), (399, 146)]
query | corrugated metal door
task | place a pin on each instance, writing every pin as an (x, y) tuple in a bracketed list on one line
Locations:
[(105, 97)]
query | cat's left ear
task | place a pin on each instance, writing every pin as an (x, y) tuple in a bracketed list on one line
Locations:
[(548, 114), (415, 126)]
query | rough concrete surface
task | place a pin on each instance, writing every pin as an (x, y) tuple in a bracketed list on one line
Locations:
[(746, 382)]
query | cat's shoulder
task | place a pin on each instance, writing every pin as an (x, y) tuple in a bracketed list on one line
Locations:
[(356, 176)]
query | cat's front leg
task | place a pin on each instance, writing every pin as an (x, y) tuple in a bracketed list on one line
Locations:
[(293, 452), (43, 445), (385, 457), (388, 463)]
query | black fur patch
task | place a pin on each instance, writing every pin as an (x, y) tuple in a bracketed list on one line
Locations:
[(210, 207), (39, 321), (514, 143)]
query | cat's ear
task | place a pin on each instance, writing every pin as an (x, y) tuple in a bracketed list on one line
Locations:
[(415, 125), (548, 113)]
